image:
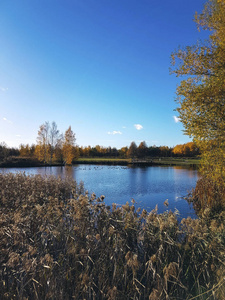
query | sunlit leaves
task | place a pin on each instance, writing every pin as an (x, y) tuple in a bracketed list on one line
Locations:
[(68, 146), (201, 95), (51, 145)]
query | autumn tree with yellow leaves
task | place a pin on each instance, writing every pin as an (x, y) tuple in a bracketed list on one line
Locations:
[(201, 95), (53, 146), (188, 150), (68, 148), (42, 150)]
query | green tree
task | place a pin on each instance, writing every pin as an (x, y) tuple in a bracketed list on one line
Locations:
[(164, 151), (123, 152), (142, 150), (201, 95), (132, 151), (86, 151), (3, 151)]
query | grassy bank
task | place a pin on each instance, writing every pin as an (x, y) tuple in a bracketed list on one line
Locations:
[(57, 243), (19, 162), (149, 161)]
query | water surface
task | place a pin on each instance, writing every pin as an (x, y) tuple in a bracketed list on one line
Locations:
[(148, 186)]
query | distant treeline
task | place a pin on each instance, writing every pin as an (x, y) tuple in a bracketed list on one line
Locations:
[(55, 154), (141, 151), (55, 147)]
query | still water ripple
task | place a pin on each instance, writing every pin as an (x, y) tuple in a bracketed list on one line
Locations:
[(148, 186)]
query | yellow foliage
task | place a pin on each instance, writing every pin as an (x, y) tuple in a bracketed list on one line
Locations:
[(201, 96), (68, 149)]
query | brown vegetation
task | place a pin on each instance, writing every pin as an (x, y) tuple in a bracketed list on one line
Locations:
[(58, 243), (208, 197)]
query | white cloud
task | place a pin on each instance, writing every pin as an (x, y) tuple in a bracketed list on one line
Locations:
[(176, 119), (3, 89), (138, 126), (18, 135), (6, 120), (114, 132)]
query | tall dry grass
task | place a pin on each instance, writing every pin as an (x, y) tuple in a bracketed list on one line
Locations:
[(208, 197), (58, 243)]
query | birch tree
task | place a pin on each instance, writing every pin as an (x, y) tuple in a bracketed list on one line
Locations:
[(42, 150), (48, 139), (68, 148), (54, 137)]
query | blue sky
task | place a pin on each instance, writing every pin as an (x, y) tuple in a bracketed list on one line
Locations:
[(101, 66)]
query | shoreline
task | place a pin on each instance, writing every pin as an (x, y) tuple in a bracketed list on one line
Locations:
[(164, 161)]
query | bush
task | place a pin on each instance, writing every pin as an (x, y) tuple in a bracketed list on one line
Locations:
[(58, 243)]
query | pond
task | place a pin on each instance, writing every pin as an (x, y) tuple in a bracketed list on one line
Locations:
[(148, 186)]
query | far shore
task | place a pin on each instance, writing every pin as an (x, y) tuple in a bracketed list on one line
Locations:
[(21, 162)]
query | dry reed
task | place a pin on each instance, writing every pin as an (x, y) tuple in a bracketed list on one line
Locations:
[(58, 243)]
